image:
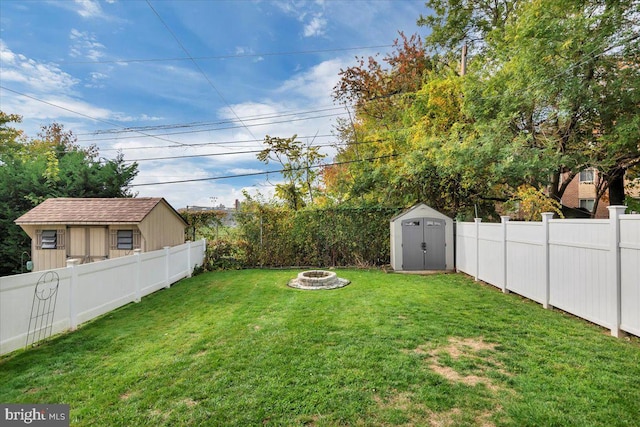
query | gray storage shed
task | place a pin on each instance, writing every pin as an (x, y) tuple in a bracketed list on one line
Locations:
[(421, 239)]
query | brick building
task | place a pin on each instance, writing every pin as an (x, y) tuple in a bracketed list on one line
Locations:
[(580, 195)]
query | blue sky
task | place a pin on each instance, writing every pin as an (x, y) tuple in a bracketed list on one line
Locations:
[(181, 78)]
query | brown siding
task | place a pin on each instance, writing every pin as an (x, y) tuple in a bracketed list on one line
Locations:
[(116, 253), (45, 259), (162, 227)]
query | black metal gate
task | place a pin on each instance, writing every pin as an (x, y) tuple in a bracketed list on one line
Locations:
[(423, 244)]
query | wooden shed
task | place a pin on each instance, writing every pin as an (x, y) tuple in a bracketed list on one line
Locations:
[(422, 239), (97, 229)]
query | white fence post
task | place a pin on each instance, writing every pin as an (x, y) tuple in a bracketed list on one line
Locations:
[(73, 283), (189, 269), (138, 294), (477, 221), (167, 284), (504, 221), (546, 217), (614, 262)]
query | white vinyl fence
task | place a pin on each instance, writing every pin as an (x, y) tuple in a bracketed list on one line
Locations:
[(589, 268), (89, 290)]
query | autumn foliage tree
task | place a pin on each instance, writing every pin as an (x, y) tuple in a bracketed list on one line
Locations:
[(551, 88)]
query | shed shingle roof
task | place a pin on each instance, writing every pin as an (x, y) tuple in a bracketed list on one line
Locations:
[(90, 211)]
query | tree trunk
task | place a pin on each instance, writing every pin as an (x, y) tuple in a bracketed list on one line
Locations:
[(554, 187), (616, 188)]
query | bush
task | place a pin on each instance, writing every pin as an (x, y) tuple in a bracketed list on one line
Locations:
[(222, 254), (275, 236)]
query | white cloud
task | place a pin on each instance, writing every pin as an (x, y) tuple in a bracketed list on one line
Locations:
[(243, 171), (46, 77), (316, 83), (85, 45), (96, 80), (310, 14), (317, 27), (89, 8), (246, 51)]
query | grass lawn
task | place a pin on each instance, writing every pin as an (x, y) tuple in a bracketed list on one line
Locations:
[(241, 348)]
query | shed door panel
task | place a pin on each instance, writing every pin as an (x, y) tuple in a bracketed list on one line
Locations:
[(412, 238), (423, 244), (434, 238), (77, 243), (97, 243)]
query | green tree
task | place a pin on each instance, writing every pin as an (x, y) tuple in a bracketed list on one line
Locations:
[(561, 77), (299, 168), (52, 165)]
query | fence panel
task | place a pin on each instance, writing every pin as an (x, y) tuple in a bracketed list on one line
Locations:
[(155, 275), (579, 269), (490, 253), (89, 290), (104, 286), (525, 260), (630, 273), (466, 247), (16, 298), (178, 268)]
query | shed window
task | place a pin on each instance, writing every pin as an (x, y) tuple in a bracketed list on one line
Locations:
[(125, 240), (50, 239)]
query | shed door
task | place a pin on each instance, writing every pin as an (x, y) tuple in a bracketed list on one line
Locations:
[(423, 244), (88, 243)]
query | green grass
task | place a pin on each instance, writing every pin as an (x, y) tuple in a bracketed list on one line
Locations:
[(241, 348)]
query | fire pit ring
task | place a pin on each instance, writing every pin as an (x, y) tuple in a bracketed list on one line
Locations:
[(318, 279)]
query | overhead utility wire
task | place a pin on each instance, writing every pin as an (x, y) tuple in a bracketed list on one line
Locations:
[(237, 55), (205, 144), (195, 63), (232, 153), (84, 115), (243, 125), (243, 175), (208, 123)]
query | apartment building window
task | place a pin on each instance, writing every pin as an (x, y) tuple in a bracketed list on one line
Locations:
[(587, 204), (587, 176)]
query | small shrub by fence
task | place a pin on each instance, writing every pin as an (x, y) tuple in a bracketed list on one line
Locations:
[(90, 290), (589, 268), (275, 237)]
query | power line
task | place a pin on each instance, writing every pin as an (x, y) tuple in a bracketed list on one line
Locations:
[(232, 153), (237, 55), (198, 124), (243, 125), (244, 175), (84, 115), (184, 49), (204, 144)]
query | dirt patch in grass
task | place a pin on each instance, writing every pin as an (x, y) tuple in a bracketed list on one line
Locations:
[(472, 351), (417, 414), (189, 402), (469, 361)]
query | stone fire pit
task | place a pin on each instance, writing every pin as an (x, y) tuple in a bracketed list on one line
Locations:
[(318, 279)]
